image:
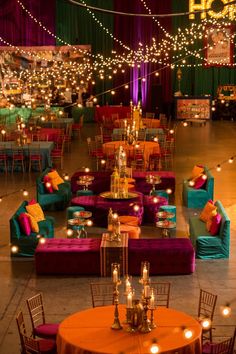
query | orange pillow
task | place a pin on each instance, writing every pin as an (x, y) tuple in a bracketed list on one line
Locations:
[(55, 179), (196, 171), (33, 223), (36, 211), (206, 213)]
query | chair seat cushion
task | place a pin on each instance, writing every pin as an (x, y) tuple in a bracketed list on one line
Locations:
[(47, 330), (47, 346)]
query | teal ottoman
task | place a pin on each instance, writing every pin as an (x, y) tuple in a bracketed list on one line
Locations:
[(84, 192), (170, 209)]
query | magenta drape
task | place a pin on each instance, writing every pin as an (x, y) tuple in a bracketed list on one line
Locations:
[(17, 28), (134, 30)]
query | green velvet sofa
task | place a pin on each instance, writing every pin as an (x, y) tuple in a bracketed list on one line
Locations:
[(27, 244), (206, 245), (197, 198), (58, 199)]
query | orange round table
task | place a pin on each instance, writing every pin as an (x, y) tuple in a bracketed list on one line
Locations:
[(89, 332), (148, 148)]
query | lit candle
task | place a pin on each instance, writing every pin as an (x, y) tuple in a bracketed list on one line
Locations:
[(115, 276), (152, 302), (129, 300), (128, 286), (145, 273), (146, 290)]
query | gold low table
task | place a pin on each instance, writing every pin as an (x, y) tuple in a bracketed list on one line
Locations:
[(166, 226)]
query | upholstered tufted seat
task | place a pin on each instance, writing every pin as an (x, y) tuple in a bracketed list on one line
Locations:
[(166, 256), (68, 256)]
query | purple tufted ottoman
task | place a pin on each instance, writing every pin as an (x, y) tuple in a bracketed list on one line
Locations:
[(68, 256), (166, 256), (151, 207)]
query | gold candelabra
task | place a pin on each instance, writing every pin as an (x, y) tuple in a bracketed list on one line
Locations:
[(115, 271)]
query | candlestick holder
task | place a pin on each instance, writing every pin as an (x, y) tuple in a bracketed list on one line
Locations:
[(145, 327), (115, 272), (152, 324)]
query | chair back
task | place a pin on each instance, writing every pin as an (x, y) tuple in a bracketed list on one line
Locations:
[(21, 330), (161, 292), (224, 347), (36, 310), (31, 345), (102, 294), (207, 304)]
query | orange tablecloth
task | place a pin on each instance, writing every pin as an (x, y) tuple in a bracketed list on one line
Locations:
[(147, 123), (148, 147), (89, 332)]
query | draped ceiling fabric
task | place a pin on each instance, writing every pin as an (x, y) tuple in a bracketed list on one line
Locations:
[(76, 26), (17, 28)]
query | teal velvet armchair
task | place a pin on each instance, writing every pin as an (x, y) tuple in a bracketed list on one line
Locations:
[(26, 245), (197, 198), (58, 199), (206, 245)]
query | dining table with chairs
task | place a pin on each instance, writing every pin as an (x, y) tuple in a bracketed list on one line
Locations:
[(147, 148), (44, 147), (89, 332)]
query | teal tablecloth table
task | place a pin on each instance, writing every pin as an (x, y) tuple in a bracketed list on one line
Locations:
[(45, 149)]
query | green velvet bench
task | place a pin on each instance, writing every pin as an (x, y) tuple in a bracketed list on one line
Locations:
[(197, 198), (24, 244), (58, 199), (206, 245)]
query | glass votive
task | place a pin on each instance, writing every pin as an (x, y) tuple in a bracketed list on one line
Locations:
[(115, 272), (145, 267)]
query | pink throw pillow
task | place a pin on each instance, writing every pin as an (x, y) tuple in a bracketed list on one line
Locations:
[(24, 224), (32, 201), (199, 182), (215, 225), (47, 184)]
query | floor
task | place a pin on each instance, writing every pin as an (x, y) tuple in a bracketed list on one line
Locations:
[(63, 295)]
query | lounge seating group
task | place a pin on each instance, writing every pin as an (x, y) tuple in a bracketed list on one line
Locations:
[(210, 246), (26, 244), (57, 199), (196, 197)]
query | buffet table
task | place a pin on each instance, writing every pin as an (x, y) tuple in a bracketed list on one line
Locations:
[(89, 332)]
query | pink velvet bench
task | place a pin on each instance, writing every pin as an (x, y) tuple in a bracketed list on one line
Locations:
[(166, 256), (68, 256)]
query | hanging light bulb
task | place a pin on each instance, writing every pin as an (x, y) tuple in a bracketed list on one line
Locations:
[(136, 207), (154, 348), (218, 168), (231, 160), (187, 333), (42, 240), (86, 170), (226, 310), (169, 191), (25, 193), (66, 177), (69, 232), (14, 249), (205, 323), (89, 223)]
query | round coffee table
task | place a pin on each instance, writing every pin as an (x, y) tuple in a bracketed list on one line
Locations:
[(165, 226)]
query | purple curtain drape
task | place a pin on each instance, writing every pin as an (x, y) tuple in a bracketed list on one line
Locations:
[(131, 31), (17, 28)]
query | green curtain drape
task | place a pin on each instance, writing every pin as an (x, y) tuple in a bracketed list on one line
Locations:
[(198, 80), (75, 25)]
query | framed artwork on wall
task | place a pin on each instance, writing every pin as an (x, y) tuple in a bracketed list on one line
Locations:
[(219, 47), (193, 107)]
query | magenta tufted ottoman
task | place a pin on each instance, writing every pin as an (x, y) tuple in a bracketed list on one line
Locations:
[(166, 256), (68, 256), (151, 207)]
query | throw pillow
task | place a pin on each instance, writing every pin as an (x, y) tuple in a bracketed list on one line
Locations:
[(209, 221), (207, 211), (55, 179), (47, 184), (32, 201), (33, 223), (196, 171), (215, 225), (24, 224), (200, 181), (36, 211)]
